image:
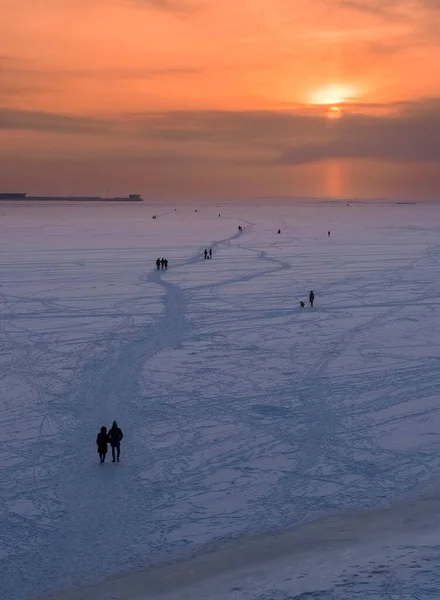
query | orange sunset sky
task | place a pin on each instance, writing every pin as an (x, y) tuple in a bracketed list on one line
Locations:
[(209, 99)]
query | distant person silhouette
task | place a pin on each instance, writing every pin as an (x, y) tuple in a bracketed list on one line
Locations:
[(166, 264), (115, 436), (162, 262), (311, 298), (206, 253), (210, 253), (279, 230), (158, 264), (240, 228), (101, 442), (328, 234)]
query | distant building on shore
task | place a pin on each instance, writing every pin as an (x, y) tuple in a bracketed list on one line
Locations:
[(22, 196)]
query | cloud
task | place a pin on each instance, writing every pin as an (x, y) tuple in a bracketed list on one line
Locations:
[(22, 79), (26, 120), (17, 78), (129, 73), (403, 132), (170, 6), (223, 126), (393, 10), (410, 135), (431, 4), (6, 60), (411, 132), (387, 10), (15, 68)]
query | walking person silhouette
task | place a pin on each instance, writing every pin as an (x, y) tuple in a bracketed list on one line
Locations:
[(115, 436), (101, 442)]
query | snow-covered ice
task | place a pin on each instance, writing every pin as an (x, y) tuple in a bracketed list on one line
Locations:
[(270, 451)]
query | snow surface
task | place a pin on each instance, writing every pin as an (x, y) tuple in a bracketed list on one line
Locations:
[(270, 451)]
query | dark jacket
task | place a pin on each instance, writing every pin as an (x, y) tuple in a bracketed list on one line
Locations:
[(115, 436), (102, 441)]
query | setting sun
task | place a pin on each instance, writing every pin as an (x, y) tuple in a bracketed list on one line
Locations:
[(334, 112), (332, 94)]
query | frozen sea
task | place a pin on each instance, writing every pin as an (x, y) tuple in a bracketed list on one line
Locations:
[(270, 452)]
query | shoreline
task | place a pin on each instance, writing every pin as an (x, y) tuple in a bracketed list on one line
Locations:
[(256, 560)]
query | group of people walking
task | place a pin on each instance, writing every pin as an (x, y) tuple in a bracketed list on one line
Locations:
[(162, 262), (113, 437), (208, 253)]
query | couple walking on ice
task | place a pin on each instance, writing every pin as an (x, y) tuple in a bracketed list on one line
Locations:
[(113, 437)]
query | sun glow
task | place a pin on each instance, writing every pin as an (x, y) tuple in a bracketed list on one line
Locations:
[(332, 94)]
